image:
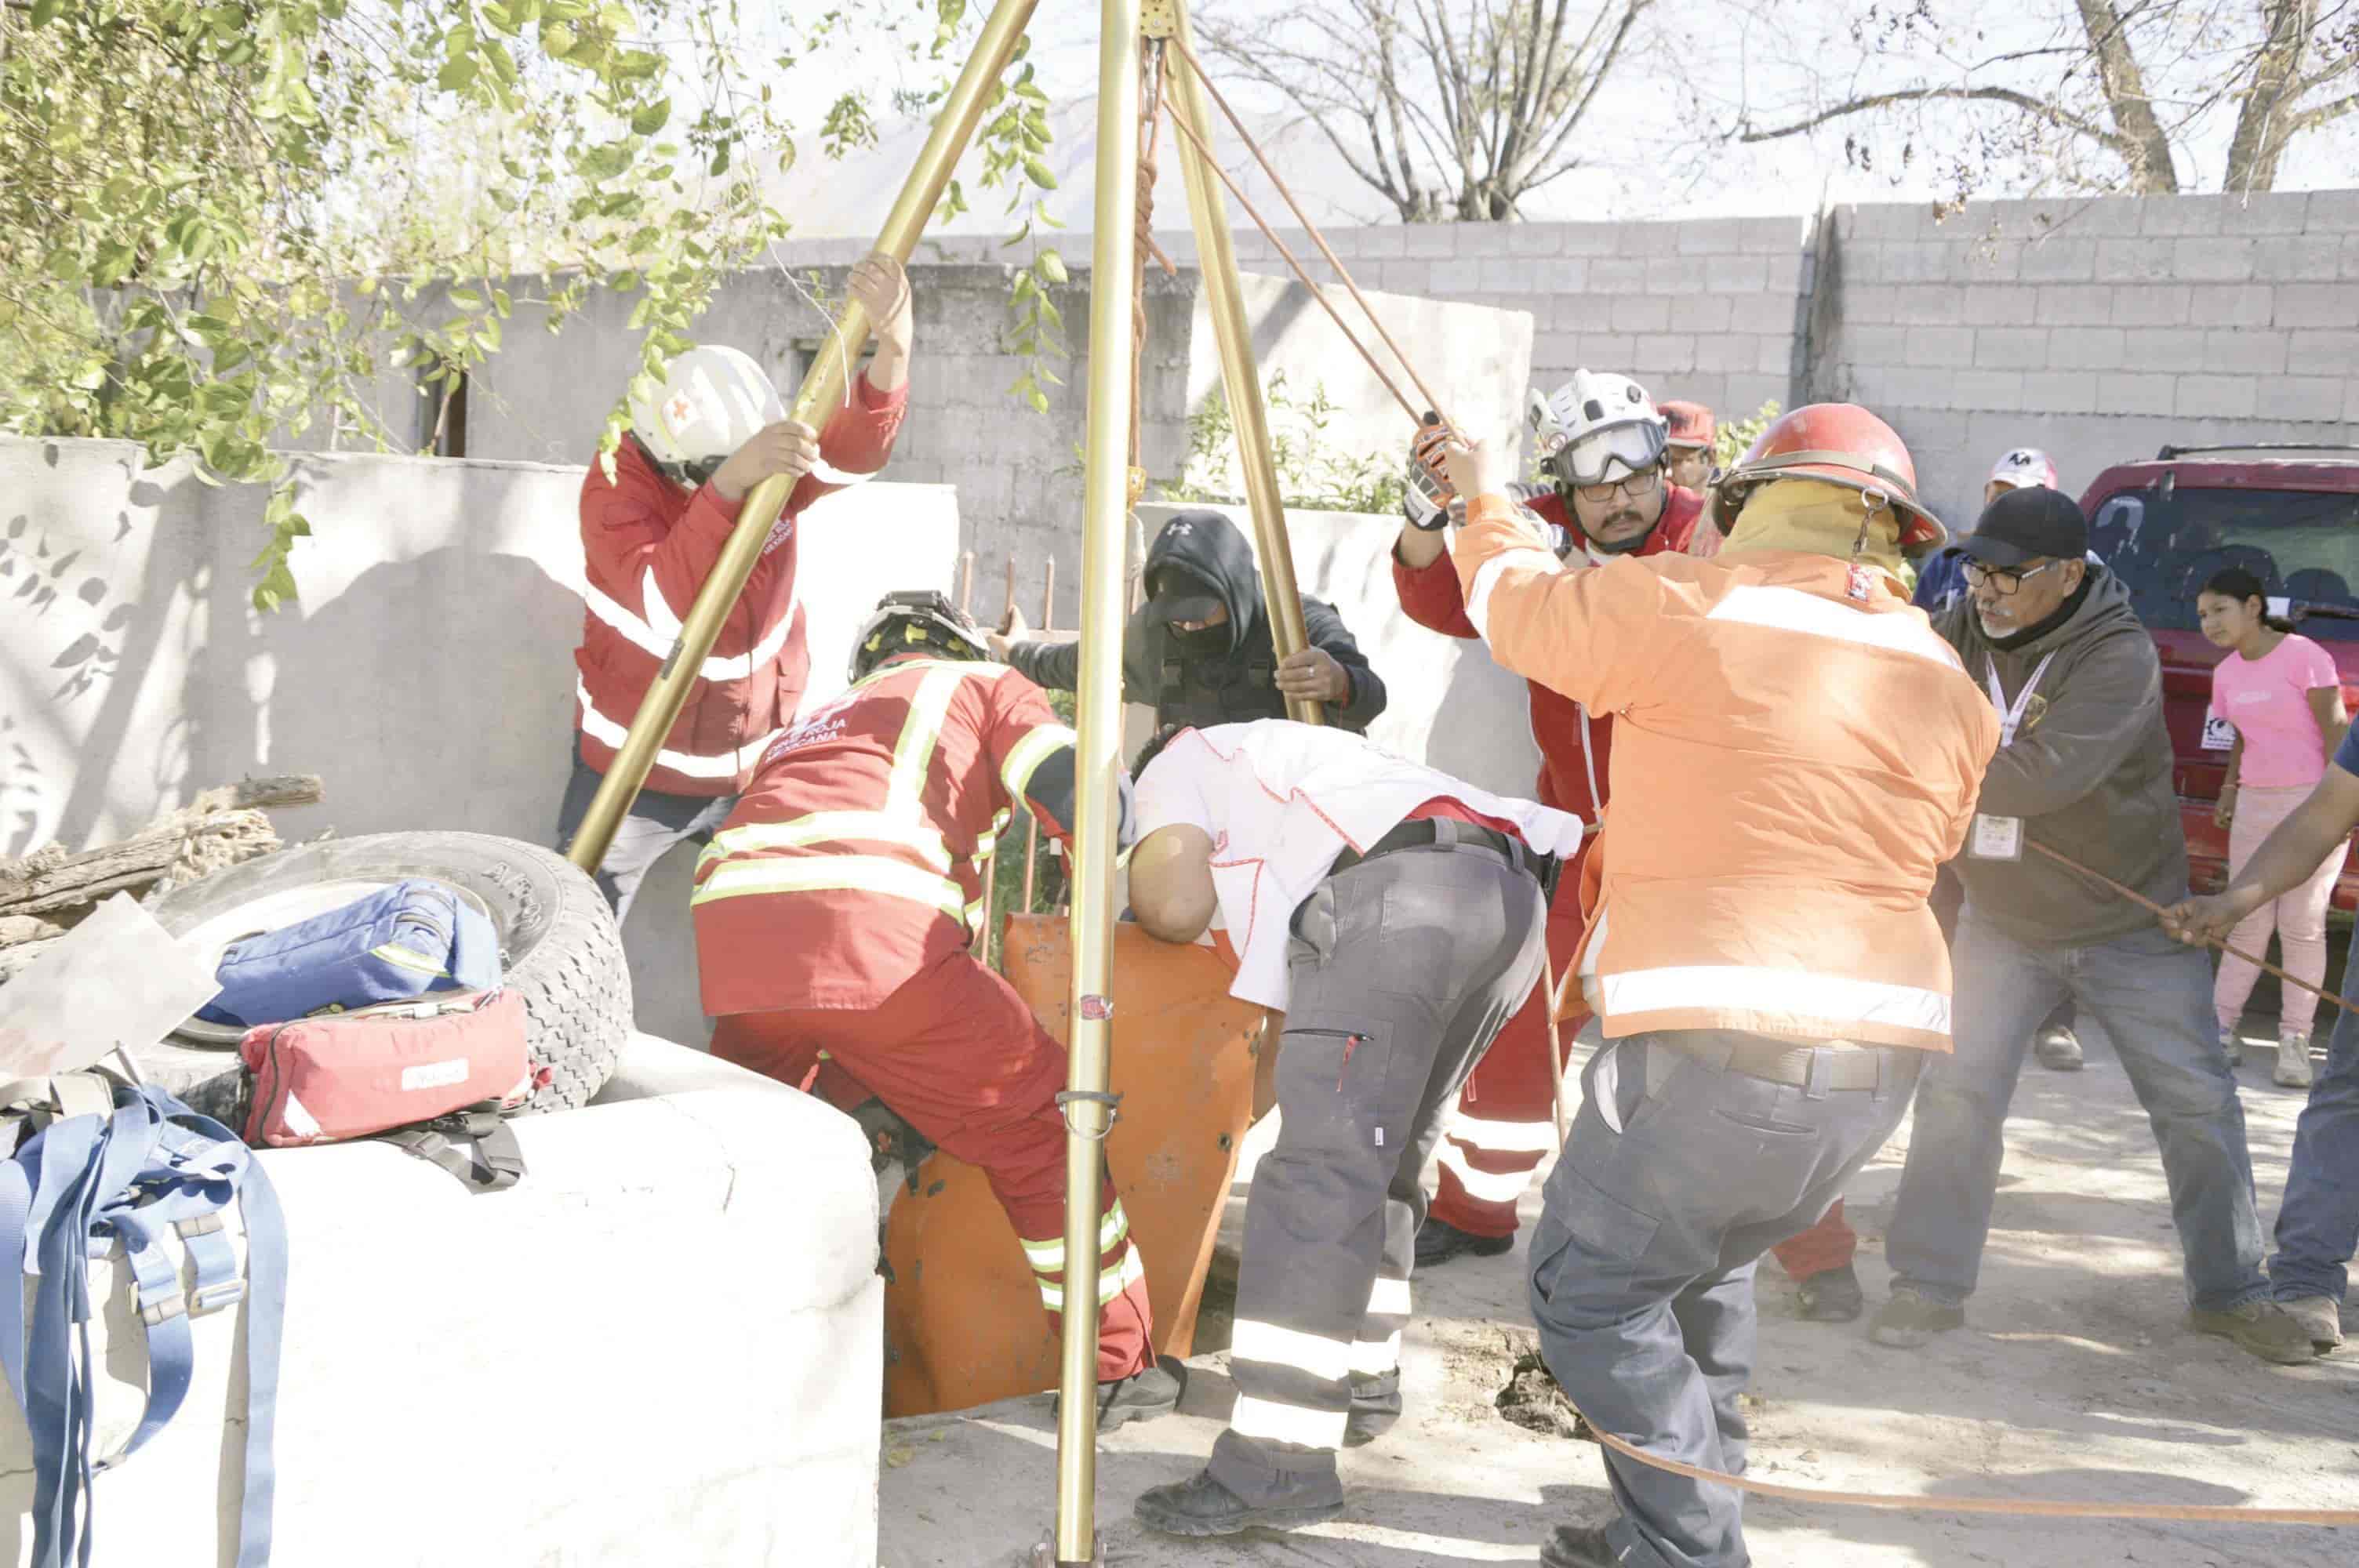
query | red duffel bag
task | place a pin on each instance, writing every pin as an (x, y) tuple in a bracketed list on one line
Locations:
[(416, 1073)]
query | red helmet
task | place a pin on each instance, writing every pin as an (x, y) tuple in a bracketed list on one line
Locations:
[(1840, 443)]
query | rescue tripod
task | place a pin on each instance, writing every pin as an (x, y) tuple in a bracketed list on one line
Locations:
[(1136, 38)]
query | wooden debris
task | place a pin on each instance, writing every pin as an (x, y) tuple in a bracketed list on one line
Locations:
[(44, 894)]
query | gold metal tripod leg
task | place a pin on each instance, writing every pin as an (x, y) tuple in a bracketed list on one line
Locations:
[(1097, 763), (822, 389), (1216, 259)]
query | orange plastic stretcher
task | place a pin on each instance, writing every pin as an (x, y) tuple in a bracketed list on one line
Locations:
[(963, 1319)]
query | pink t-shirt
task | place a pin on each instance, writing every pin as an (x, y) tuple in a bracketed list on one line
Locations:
[(2268, 701)]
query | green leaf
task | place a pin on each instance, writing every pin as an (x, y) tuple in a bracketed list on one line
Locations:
[(458, 74), (1051, 267), (47, 11), (652, 118), (466, 300)]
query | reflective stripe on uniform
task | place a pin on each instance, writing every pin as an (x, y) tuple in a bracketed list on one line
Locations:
[(820, 873), (824, 826), (1388, 1298), (1794, 994), (1502, 1137), (688, 764), (1026, 756), (1374, 1357), (659, 633), (1326, 1358), (1531, 558), (912, 753), (1273, 1422), (1483, 1186), (1112, 1281), (1048, 1256)]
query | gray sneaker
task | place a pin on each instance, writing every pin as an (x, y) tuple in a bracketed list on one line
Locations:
[(2292, 1069), (1910, 1320), (2321, 1317), (2263, 1327)]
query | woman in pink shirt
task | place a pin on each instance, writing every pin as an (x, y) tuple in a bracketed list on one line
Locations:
[(2280, 694)]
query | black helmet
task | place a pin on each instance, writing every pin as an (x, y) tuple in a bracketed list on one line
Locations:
[(913, 619)]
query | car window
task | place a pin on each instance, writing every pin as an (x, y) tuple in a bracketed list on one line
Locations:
[(2304, 544)]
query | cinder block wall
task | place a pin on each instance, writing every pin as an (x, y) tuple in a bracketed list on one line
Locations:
[(2098, 329)]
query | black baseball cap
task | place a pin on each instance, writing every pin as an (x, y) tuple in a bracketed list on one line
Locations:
[(2026, 525), (1178, 596)]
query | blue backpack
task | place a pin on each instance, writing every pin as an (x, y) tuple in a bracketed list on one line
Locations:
[(393, 945), (81, 1183)]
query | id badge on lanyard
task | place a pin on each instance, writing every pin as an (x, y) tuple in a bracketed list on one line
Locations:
[(2001, 838)]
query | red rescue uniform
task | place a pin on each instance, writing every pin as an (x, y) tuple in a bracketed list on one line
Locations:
[(648, 546), (1504, 1123), (833, 913)]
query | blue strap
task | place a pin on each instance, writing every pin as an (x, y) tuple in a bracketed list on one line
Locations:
[(152, 1166), (15, 1203)]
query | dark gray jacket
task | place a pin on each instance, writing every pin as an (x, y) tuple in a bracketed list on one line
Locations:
[(2089, 771)]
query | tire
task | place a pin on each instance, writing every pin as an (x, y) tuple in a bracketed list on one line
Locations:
[(558, 948)]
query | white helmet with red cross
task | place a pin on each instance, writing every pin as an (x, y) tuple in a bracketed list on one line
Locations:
[(712, 400)]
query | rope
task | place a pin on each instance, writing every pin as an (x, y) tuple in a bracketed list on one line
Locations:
[(1205, 152), (1236, 123), (2345, 1003), (1150, 98), (1901, 1502)]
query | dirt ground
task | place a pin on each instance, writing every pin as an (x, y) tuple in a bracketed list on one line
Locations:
[(2073, 1379)]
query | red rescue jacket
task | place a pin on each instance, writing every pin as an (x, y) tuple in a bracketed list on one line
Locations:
[(853, 861), (1575, 745), (648, 546)]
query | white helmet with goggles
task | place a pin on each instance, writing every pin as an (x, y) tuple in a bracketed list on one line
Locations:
[(1597, 428)]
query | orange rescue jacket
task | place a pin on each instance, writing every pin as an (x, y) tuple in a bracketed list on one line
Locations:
[(1796, 752)]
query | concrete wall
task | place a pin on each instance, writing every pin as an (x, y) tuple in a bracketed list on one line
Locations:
[(545, 398), (1709, 310), (426, 675), (2096, 329)]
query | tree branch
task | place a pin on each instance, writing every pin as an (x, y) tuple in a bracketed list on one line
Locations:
[(2055, 113)]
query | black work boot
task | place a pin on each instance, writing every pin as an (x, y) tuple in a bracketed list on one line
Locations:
[(1375, 1405), (1201, 1506), (1833, 1296), (1149, 1393), (1437, 1241)]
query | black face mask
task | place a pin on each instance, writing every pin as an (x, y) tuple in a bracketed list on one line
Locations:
[(1205, 640)]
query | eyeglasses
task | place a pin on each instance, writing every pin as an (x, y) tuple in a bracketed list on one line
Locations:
[(2003, 581), (1633, 486)]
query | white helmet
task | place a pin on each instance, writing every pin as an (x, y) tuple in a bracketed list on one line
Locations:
[(712, 401), (1597, 428)]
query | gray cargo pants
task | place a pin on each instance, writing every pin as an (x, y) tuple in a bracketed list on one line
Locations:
[(1403, 967)]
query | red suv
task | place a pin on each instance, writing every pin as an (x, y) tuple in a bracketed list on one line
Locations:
[(2290, 514)]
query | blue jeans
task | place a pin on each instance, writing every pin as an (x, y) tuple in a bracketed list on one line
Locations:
[(2154, 998), (1641, 1267), (2318, 1227)]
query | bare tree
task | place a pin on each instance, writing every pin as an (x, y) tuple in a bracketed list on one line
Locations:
[(1451, 109), (2090, 94)]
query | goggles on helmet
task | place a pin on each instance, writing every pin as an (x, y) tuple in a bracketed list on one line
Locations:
[(1603, 456)]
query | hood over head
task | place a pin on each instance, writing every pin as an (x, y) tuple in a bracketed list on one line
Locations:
[(1199, 557)]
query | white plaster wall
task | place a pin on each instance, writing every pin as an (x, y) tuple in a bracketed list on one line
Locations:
[(662, 1347), (427, 674)]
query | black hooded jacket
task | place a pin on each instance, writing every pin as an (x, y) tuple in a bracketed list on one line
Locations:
[(1230, 677)]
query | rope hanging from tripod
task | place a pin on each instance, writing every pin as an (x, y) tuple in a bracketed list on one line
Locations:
[(1203, 150)]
